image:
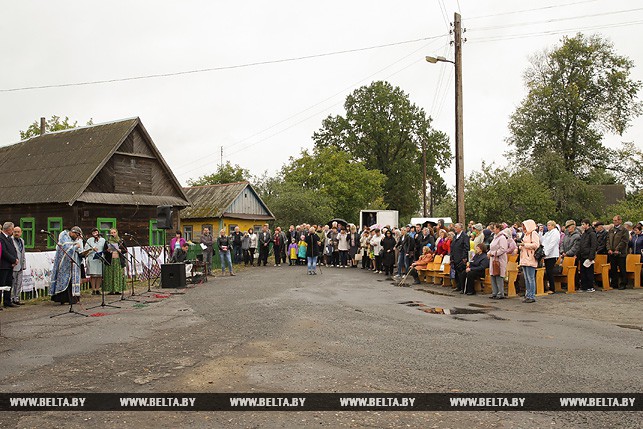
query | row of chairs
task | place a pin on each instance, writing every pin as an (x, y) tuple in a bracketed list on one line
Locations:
[(439, 272)]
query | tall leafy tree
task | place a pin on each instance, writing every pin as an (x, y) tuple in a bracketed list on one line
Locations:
[(385, 131), (346, 186), (576, 92), (497, 194), (55, 123), (226, 173)]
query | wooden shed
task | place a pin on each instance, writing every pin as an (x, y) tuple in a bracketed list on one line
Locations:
[(108, 175), (223, 206)]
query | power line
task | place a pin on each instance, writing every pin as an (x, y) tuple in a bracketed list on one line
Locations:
[(546, 21), (550, 32), (237, 66), (303, 111), (528, 10), (322, 111)]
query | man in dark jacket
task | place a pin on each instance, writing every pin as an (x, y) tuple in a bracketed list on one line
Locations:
[(586, 253), (617, 240), (8, 260), (236, 245), (264, 245), (601, 238), (406, 245), (460, 256), (421, 240)]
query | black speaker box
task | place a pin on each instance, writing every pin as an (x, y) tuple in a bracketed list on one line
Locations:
[(164, 217), (173, 276)]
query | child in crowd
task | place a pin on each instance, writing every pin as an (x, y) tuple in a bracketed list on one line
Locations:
[(303, 247), (292, 252)]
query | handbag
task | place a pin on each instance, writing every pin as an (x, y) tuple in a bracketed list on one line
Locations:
[(495, 267)]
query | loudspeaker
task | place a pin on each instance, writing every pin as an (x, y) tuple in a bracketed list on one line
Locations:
[(173, 276), (164, 217)]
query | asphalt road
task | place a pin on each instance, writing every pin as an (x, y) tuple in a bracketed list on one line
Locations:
[(275, 329)]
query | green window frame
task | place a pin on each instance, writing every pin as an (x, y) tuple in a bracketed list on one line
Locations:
[(156, 235), (101, 224), (28, 226), (55, 227)]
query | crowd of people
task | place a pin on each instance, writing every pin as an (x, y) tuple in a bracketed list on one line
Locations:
[(381, 249), (396, 252)]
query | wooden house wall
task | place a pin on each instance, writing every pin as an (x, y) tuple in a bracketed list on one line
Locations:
[(247, 203), (131, 219)]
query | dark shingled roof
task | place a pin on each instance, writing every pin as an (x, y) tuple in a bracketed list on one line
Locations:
[(212, 201), (57, 167)]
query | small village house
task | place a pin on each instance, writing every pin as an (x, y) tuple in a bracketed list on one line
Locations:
[(223, 206), (108, 175)]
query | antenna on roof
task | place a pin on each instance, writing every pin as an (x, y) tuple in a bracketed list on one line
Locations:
[(43, 125)]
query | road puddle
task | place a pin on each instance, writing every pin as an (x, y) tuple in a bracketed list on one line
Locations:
[(448, 311)]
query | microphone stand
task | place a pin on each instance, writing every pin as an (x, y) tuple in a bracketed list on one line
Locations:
[(151, 261), (103, 304), (69, 292), (132, 261)]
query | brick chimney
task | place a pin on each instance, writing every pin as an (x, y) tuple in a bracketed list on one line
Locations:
[(43, 124)]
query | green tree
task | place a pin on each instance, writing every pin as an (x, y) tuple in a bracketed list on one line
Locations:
[(345, 185), (292, 205), (497, 194), (631, 208), (385, 131), (52, 124), (576, 93), (226, 173)]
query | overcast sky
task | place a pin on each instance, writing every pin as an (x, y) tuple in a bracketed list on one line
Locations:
[(263, 114)]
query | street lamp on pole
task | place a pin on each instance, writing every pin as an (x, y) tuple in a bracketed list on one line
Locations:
[(459, 147)]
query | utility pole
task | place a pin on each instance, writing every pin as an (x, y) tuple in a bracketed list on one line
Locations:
[(424, 175), (459, 147), (221, 164)]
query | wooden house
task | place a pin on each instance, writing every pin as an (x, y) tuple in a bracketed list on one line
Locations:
[(107, 175), (223, 206)]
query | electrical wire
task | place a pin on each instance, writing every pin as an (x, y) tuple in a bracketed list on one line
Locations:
[(528, 10), (191, 163), (547, 21), (237, 66), (501, 38)]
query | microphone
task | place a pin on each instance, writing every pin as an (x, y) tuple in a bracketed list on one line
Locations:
[(127, 234)]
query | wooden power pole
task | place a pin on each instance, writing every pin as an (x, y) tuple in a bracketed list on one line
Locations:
[(459, 147), (424, 175)]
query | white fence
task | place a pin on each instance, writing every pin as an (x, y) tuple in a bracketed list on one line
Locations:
[(37, 275)]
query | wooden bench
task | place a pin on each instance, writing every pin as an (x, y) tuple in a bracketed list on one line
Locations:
[(483, 285), (633, 266), (602, 271), (540, 282), (426, 274), (512, 257), (444, 275), (512, 277), (568, 275)]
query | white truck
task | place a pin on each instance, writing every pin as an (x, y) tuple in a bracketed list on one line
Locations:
[(379, 217)]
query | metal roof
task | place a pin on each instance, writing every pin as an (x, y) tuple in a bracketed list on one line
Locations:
[(213, 201), (57, 167)]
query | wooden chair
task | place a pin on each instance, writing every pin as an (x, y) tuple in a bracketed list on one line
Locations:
[(512, 258), (512, 276), (602, 271), (568, 275), (633, 266)]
